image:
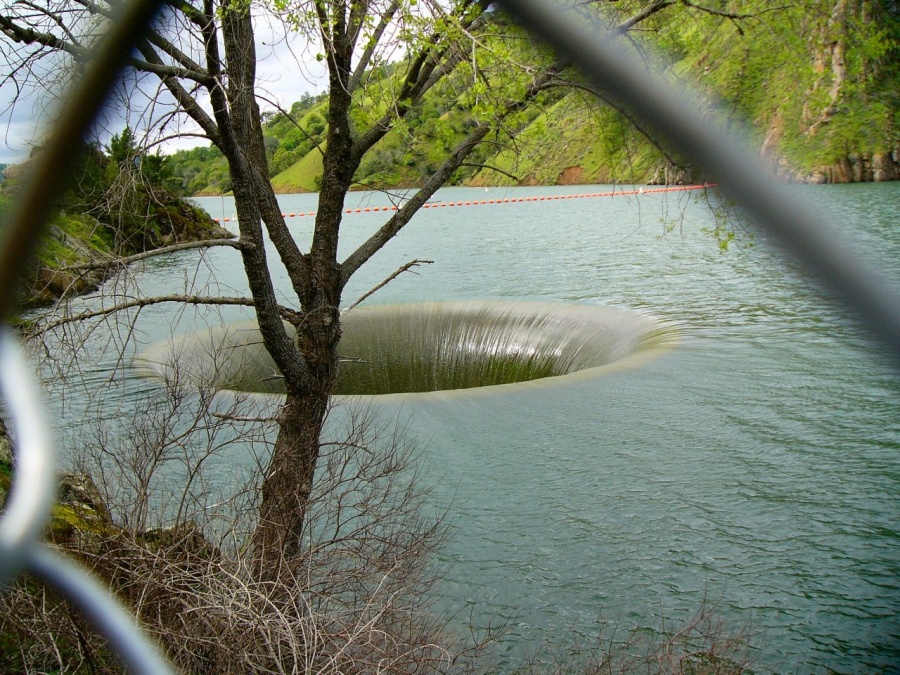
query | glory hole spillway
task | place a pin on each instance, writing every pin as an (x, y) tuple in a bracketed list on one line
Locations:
[(430, 347)]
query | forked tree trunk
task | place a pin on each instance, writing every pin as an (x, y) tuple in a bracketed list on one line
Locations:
[(287, 487), (308, 364)]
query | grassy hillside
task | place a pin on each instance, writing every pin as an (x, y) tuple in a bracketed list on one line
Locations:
[(817, 82), (576, 141), (301, 176)]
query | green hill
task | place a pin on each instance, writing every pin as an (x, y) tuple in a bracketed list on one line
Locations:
[(817, 83)]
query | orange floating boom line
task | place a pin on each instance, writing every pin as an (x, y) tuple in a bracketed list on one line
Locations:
[(507, 200)]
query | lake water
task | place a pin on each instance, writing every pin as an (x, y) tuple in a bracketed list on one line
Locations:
[(755, 465)]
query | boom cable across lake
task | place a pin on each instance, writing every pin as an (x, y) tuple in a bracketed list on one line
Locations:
[(505, 200)]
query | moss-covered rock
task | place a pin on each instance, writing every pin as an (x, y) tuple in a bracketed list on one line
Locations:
[(79, 513)]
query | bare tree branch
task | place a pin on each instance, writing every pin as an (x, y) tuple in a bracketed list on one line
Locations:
[(644, 14), (419, 80), (366, 57), (287, 313), (715, 12), (290, 118), (491, 167), (162, 70), (30, 36), (627, 114), (127, 260), (403, 215), (185, 99), (403, 268)]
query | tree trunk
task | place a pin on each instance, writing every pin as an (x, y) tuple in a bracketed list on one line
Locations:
[(307, 364), (287, 487)]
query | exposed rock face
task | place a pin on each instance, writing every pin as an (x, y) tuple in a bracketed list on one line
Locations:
[(81, 520), (672, 174), (78, 490), (886, 166), (571, 175), (857, 168), (854, 167), (80, 513), (6, 458), (5, 445), (80, 510)]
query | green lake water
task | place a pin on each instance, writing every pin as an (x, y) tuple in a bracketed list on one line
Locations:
[(755, 465)]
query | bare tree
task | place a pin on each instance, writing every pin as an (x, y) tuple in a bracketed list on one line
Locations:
[(205, 50)]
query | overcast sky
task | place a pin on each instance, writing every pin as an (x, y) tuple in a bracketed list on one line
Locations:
[(286, 70)]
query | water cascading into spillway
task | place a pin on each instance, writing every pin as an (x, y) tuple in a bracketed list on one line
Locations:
[(428, 347)]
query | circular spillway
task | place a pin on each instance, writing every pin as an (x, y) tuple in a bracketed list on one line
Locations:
[(427, 347)]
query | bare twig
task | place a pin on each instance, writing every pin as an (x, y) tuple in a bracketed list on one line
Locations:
[(491, 167), (404, 268), (156, 300), (126, 260), (256, 419)]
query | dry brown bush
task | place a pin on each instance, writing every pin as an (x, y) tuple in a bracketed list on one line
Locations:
[(704, 644), (158, 525)]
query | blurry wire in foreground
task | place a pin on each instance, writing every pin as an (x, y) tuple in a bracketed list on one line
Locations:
[(32, 491)]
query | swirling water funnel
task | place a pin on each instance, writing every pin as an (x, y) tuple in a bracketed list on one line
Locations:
[(431, 347)]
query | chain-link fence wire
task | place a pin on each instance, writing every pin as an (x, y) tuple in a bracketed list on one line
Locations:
[(672, 114), (31, 494)]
